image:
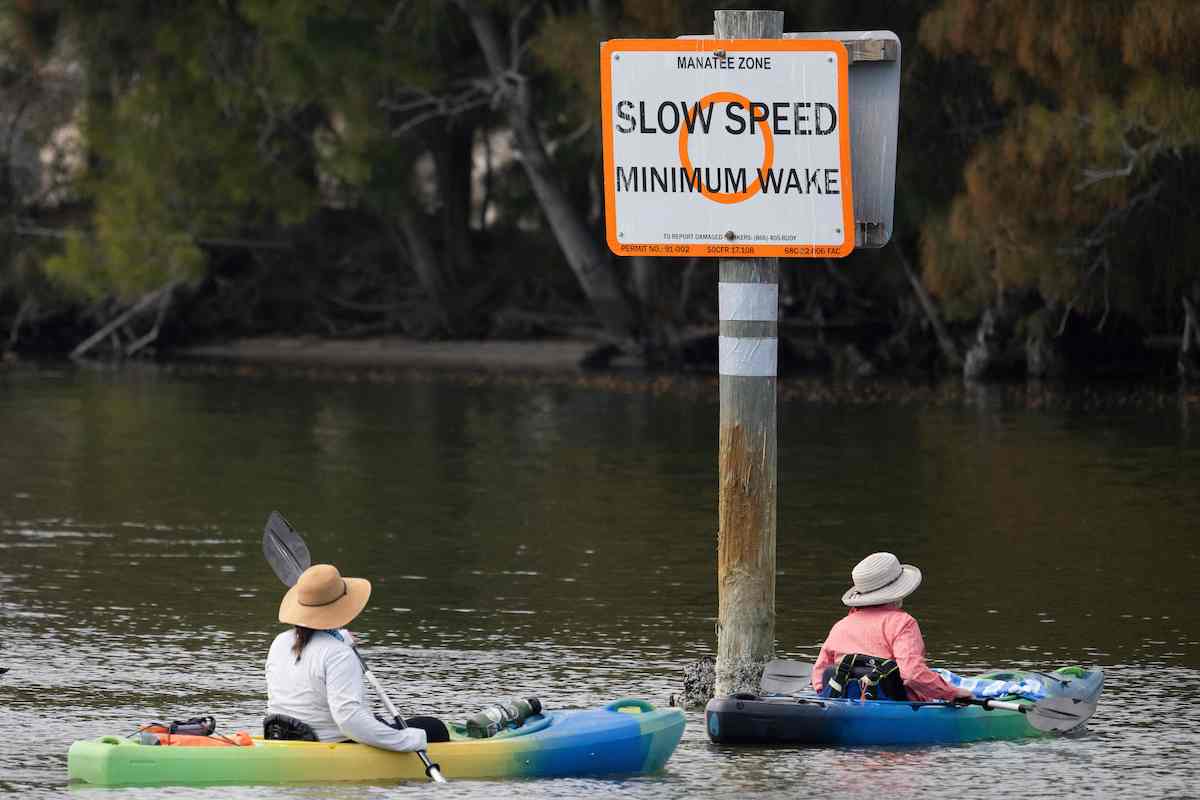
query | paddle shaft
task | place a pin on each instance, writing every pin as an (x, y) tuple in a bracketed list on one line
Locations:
[(431, 769), (1003, 704)]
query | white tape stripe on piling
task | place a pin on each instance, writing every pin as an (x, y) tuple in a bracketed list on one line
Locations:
[(757, 302), (748, 357)]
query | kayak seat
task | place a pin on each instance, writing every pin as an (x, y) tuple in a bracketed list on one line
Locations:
[(281, 726), (879, 677)]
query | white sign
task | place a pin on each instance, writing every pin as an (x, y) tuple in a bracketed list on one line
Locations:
[(727, 148)]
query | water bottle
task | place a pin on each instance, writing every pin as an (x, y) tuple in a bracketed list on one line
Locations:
[(494, 718)]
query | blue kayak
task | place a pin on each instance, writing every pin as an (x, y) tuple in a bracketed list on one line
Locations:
[(806, 718)]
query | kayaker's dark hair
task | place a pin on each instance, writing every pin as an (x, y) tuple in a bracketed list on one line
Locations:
[(303, 634)]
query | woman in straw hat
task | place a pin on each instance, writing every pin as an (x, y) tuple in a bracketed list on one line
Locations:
[(877, 627), (314, 678)]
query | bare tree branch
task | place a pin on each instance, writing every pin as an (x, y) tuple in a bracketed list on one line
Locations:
[(421, 106), (1102, 232), (948, 348), (516, 49), (1134, 157), (393, 18), (1107, 272), (1097, 264)]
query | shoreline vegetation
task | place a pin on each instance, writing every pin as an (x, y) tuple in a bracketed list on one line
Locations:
[(557, 364), (563, 355), (170, 178)]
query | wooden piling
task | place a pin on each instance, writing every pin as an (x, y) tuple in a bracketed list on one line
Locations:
[(749, 292)]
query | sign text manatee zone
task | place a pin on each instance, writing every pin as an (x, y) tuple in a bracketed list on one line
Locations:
[(727, 148)]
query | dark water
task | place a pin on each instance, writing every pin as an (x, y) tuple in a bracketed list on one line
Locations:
[(560, 541)]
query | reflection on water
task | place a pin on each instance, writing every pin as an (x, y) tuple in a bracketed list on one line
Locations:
[(561, 542)]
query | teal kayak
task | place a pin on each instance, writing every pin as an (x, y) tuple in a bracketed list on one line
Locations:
[(807, 718), (626, 736)]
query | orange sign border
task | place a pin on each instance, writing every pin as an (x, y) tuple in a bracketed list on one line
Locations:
[(726, 249)]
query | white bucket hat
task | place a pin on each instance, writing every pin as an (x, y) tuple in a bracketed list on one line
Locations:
[(881, 578)]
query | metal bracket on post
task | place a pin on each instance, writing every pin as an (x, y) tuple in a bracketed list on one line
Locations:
[(870, 234), (861, 50), (874, 125)]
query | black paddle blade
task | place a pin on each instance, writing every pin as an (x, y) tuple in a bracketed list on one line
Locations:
[(286, 552), (1059, 714), (786, 677)]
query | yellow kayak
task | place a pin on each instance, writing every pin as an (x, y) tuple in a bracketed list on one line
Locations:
[(627, 736)]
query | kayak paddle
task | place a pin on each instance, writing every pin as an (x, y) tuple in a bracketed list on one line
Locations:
[(286, 552), (1052, 714), (288, 556), (786, 677)]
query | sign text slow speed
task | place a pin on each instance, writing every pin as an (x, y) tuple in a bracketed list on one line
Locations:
[(726, 148)]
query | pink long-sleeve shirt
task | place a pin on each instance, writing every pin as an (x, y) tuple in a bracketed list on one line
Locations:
[(887, 632)]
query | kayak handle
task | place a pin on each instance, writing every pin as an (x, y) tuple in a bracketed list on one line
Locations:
[(629, 702)]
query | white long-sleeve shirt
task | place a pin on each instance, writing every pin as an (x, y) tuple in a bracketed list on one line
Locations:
[(325, 689)]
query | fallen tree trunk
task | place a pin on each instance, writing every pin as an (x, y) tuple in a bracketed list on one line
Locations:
[(14, 334), (151, 336), (948, 348), (161, 296), (427, 267)]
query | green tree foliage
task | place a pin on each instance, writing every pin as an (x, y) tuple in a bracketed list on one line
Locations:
[(210, 124), (183, 145), (1048, 147), (218, 124), (1084, 193)]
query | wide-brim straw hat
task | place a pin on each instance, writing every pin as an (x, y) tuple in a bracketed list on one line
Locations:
[(881, 578), (322, 599)]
